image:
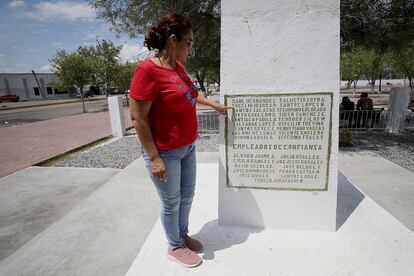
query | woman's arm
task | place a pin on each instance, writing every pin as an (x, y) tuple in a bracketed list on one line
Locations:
[(139, 116), (221, 108)]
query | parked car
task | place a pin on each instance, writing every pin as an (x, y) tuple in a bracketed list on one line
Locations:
[(9, 98), (85, 94)]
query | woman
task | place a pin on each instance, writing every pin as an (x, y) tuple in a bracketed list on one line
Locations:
[(163, 110)]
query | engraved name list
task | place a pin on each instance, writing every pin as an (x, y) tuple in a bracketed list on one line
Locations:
[(278, 141)]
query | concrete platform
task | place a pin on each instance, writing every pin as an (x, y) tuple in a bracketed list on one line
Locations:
[(98, 233), (387, 183), (368, 241), (32, 199)]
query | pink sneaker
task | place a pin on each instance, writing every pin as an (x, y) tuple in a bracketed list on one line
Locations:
[(184, 256), (193, 244)]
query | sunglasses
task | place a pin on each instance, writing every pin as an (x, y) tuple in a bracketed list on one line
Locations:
[(189, 43)]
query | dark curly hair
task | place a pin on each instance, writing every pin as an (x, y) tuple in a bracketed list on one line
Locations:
[(173, 23)]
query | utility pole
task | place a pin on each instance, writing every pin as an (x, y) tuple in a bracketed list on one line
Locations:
[(38, 85)]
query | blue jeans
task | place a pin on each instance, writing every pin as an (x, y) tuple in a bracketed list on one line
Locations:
[(177, 193)]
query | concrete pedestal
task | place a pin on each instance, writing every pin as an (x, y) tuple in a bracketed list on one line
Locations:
[(278, 147), (116, 113), (397, 109)]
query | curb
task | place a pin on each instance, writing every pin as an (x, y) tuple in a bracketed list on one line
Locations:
[(41, 163), (45, 104)]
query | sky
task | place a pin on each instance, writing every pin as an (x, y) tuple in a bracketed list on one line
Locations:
[(32, 31)]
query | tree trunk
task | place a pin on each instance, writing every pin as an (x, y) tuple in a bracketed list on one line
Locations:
[(373, 86), (200, 79), (348, 84), (355, 87), (82, 99), (410, 80)]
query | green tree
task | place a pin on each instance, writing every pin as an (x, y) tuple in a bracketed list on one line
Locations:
[(371, 65), (106, 64), (382, 25), (124, 75), (105, 58), (134, 17), (350, 69), (73, 69), (404, 62)]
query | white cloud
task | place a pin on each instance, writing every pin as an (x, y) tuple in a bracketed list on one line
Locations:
[(45, 68), (101, 33), (62, 10), (14, 4), (2, 61), (18, 68), (133, 53), (90, 36)]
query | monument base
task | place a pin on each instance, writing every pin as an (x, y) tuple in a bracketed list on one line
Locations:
[(368, 240)]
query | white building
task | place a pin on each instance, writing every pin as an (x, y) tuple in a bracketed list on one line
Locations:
[(27, 88)]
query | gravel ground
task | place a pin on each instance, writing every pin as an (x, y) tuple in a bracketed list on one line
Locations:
[(120, 152), (396, 148)]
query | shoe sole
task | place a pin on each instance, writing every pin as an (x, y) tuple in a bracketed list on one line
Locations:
[(172, 258)]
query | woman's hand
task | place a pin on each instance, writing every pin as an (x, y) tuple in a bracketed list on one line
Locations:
[(158, 169), (221, 108)]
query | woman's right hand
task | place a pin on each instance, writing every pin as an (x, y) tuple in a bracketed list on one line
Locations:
[(158, 169)]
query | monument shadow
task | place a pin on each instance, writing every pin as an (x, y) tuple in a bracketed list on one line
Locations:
[(217, 237), (348, 199)]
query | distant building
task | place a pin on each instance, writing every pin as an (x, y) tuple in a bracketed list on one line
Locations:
[(27, 88)]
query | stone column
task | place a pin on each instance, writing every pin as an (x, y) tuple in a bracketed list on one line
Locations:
[(397, 109), (43, 89), (6, 85), (26, 89), (279, 146), (116, 113)]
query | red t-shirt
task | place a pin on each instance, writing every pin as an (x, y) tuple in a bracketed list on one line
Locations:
[(172, 116)]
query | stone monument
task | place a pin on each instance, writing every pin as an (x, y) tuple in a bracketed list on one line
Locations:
[(397, 109), (279, 145), (116, 114)]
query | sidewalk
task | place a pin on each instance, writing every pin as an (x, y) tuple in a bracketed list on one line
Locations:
[(18, 105), (24, 145)]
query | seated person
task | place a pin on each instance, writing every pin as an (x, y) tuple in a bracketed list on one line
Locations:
[(347, 104), (364, 103)]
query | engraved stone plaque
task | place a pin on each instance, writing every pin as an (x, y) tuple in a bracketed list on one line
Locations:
[(278, 141)]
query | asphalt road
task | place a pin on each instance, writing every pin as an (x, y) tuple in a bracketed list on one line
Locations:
[(41, 113)]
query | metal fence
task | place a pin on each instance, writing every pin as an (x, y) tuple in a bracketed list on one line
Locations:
[(363, 119), (371, 119), (409, 122), (208, 122)]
